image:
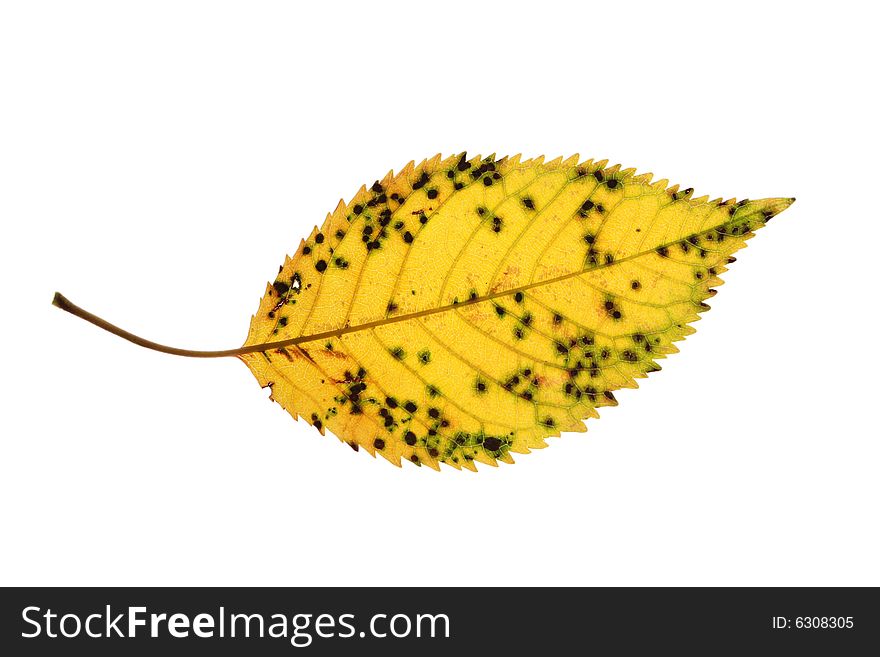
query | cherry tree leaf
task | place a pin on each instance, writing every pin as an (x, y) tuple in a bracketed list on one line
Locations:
[(464, 310)]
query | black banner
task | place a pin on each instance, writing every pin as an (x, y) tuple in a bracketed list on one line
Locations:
[(113, 621), (428, 621)]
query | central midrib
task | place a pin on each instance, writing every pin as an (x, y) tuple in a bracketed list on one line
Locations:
[(267, 346)]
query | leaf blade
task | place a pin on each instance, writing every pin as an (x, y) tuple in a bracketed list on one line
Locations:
[(574, 278)]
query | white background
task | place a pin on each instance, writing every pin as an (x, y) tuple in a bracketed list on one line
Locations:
[(159, 159)]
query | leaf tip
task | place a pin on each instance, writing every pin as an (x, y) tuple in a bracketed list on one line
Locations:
[(771, 207)]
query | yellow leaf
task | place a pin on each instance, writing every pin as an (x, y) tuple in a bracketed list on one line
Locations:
[(465, 310)]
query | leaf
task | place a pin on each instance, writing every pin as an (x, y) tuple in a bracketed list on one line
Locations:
[(463, 310)]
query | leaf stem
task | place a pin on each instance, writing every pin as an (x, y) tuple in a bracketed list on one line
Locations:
[(65, 304)]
